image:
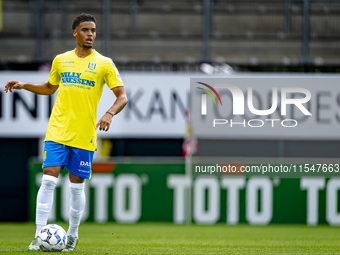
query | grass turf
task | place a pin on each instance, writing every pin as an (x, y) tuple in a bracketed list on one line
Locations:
[(158, 238)]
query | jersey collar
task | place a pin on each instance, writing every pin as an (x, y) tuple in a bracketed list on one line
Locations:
[(74, 53)]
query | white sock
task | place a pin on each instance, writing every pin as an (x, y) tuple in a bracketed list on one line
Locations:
[(44, 201), (77, 204)]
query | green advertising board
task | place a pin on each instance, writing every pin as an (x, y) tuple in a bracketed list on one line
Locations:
[(136, 192)]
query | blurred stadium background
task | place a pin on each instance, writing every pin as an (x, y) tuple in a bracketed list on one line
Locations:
[(175, 35), (158, 45)]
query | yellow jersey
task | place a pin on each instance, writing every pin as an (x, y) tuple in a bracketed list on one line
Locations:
[(81, 82)]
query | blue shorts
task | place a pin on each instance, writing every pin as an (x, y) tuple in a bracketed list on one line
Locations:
[(77, 161)]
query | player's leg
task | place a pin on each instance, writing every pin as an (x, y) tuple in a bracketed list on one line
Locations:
[(45, 196), (44, 201), (55, 157), (79, 169), (77, 205)]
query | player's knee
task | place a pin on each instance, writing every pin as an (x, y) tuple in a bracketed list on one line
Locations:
[(77, 187), (52, 171), (76, 179), (49, 181)]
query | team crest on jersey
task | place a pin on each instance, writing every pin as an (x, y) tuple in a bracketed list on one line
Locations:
[(92, 66)]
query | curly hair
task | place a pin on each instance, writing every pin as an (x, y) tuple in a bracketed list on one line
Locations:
[(81, 18)]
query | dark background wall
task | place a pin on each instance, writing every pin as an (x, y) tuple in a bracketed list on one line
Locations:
[(14, 158)]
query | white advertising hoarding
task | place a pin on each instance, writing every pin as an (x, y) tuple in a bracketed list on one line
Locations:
[(156, 108), (158, 101)]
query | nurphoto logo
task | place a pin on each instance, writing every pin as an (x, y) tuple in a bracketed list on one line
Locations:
[(238, 104)]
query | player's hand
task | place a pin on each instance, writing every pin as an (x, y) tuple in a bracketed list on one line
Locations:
[(10, 85), (105, 122)]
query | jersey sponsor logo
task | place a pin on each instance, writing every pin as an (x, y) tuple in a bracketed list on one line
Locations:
[(74, 78), (83, 163), (92, 66), (67, 66)]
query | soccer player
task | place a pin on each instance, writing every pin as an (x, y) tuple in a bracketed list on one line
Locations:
[(80, 75)]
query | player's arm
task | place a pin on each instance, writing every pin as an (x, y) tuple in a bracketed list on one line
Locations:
[(121, 100), (43, 88)]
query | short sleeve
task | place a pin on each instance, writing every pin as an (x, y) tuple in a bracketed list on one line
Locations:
[(112, 77), (54, 78)]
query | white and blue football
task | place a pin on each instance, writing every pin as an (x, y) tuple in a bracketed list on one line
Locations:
[(52, 238)]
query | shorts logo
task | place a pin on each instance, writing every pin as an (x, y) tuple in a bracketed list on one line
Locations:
[(84, 171), (83, 163), (45, 155)]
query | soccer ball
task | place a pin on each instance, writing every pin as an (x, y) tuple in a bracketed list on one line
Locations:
[(52, 238)]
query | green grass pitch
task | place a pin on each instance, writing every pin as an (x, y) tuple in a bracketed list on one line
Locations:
[(166, 238)]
